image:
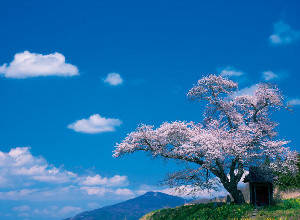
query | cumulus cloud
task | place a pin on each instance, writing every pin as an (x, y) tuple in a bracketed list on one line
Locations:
[(230, 71), (94, 180), (26, 65), (113, 79), (98, 180), (95, 124), (20, 167), (124, 192), (94, 190), (294, 102), (283, 34), (28, 177), (31, 179)]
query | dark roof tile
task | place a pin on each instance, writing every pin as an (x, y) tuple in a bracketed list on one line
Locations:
[(260, 175)]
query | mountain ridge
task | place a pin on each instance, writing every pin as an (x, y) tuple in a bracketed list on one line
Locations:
[(132, 209)]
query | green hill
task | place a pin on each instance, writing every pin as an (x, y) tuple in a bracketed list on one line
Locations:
[(286, 209)]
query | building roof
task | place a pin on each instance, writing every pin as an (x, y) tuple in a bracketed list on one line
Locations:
[(260, 175)]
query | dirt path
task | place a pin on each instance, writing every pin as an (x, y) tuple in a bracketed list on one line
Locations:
[(254, 214)]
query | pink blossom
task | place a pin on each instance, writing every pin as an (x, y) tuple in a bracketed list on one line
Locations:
[(236, 133)]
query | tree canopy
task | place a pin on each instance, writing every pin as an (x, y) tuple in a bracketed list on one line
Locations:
[(288, 181), (235, 134)]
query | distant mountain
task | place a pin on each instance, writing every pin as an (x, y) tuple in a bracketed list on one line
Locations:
[(132, 209)]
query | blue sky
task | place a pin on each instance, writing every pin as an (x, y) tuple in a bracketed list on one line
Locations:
[(154, 52)]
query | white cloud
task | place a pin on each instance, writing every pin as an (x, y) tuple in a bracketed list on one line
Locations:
[(184, 191), (94, 190), (22, 208), (55, 211), (20, 167), (124, 192), (283, 34), (294, 102), (27, 177), (43, 193), (245, 91), (102, 191), (69, 209), (26, 65), (94, 180), (118, 180), (274, 76), (95, 124), (269, 75), (113, 79), (230, 71), (17, 194), (50, 211), (98, 180)]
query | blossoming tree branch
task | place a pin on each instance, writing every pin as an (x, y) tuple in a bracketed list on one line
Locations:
[(236, 133)]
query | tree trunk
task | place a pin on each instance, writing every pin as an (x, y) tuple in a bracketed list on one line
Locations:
[(231, 184), (237, 195)]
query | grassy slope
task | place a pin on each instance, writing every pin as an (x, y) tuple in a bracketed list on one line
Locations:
[(201, 211), (287, 209)]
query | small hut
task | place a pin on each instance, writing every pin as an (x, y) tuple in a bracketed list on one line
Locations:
[(260, 181)]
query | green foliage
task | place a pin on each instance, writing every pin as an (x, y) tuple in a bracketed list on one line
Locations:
[(287, 209), (289, 181), (204, 212)]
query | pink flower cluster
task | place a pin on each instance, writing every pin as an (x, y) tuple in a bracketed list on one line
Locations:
[(236, 133)]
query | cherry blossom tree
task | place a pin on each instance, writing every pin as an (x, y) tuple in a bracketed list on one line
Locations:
[(236, 133)]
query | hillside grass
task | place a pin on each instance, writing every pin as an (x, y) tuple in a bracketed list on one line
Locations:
[(201, 211), (287, 209)]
